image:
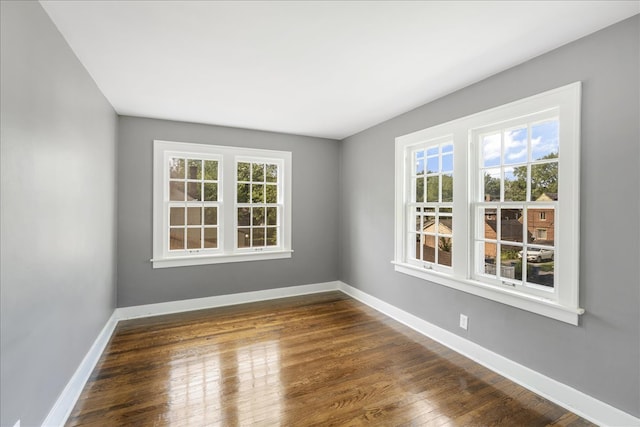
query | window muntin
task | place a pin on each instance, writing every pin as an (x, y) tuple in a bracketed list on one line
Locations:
[(200, 206)]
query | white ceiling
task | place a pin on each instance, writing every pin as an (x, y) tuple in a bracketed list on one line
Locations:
[(316, 68)]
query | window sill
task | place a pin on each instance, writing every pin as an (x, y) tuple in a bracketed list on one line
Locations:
[(538, 305), (219, 259)]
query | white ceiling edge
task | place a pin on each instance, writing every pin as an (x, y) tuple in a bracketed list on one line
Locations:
[(324, 69)]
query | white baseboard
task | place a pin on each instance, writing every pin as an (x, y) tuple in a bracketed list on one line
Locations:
[(69, 396), (563, 395), (575, 401)]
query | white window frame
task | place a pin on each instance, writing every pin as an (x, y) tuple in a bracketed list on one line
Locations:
[(561, 304), (227, 250)]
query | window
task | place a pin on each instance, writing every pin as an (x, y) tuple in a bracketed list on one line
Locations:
[(500, 219), (216, 204)]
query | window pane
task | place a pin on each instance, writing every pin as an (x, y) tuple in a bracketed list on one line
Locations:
[(272, 216), (211, 170), (414, 249), (194, 191), (210, 237), (195, 169), (539, 254), (210, 192), (176, 216), (176, 168), (515, 146), (243, 171), (433, 165), (176, 191), (487, 257), (540, 226), (257, 217), (194, 216), (257, 172), (176, 238), (447, 188), (447, 163), (429, 248), (511, 263), (491, 150), (271, 194), (193, 238), (490, 227), (433, 185), (511, 225), (257, 193), (544, 140), (272, 173), (244, 217), (544, 181), (211, 216), (540, 266), (244, 237), (491, 185), (515, 184), (420, 190), (447, 148), (432, 151), (258, 237), (419, 162), (243, 193), (445, 225), (444, 251), (272, 236), (418, 222)]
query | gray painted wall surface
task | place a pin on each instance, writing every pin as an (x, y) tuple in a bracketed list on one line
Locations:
[(314, 229), (599, 357), (58, 213)]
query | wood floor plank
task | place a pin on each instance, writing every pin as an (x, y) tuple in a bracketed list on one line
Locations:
[(315, 360)]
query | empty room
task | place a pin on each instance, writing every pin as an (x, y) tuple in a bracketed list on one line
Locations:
[(320, 213)]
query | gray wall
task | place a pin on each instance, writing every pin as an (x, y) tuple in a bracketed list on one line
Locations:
[(314, 228), (58, 213), (601, 356)]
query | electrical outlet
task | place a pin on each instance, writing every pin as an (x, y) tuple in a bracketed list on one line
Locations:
[(464, 322)]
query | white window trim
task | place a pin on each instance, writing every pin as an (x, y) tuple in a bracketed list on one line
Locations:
[(227, 218), (564, 304)]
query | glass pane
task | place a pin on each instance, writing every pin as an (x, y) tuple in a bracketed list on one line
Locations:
[(272, 236), (491, 150), (244, 217), (490, 227), (210, 216), (243, 193), (258, 237), (176, 216), (429, 248), (447, 148), (211, 170), (176, 191), (194, 191), (257, 217), (447, 163), (544, 182), (540, 266), (445, 247), (544, 140), (433, 164), (540, 226), (193, 238), (415, 249), (511, 225), (243, 171), (515, 184), (488, 257), (176, 238), (433, 151), (257, 174), (244, 237), (447, 188), (420, 190), (272, 173), (491, 185), (210, 192), (429, 224), (515, 146), (272, 216), (257, 193), (271, 194), (433, 185), (176, 168), (194, 216), (195, 169), (419, 162), (210, 237), (445, 225), (511, 262), (418, 223)]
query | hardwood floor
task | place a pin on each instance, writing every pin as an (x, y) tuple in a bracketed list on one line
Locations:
[(322, 359)]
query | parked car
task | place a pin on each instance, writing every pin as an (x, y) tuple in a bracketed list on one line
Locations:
[(538, 255)]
